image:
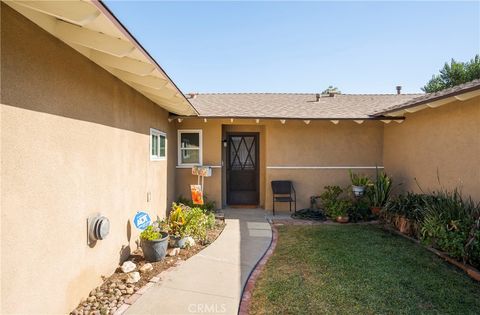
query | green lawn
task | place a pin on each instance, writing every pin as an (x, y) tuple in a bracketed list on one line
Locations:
[(359, 269)]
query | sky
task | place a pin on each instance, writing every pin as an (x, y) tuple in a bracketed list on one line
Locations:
[(359, 47)]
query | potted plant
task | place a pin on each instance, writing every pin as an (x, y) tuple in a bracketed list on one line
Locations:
[(339, 210), (359, 182), (335, 206), (154, 241), (379, 192)]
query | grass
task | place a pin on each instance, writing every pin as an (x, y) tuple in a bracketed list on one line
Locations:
[(359, 269)]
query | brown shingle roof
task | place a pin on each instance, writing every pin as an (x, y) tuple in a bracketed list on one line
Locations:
[(431, 97), (295, 105)]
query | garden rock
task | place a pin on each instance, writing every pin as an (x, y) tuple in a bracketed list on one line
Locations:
[(147, 267), (133, 277), (128, 266), (173, 252), (189, 242), (91, 299)]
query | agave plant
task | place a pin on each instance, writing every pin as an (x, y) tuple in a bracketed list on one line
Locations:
[(379, 192), (358, 179)]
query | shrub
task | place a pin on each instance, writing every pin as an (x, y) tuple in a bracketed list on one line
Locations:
[(452, 224), (359, 210), (334, 202), (207, 206), (410, 206), (187, 221), (339, 208), (197, 222), (329, 197)]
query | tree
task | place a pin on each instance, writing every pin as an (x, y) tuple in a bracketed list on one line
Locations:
[(332, 89), (454, 74)]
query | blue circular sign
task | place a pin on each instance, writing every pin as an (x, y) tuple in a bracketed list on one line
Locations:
[(141, 220)]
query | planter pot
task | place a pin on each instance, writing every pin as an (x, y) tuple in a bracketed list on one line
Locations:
[(155, 250), (342, 219), (178, 242), (358, 191), (404, 225), (376, 210)]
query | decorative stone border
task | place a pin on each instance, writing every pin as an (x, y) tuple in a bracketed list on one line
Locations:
[(245, 301), (469, 270), (133, 298)]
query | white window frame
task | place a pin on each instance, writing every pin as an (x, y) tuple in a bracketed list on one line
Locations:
[(200, 146), (159, 134)]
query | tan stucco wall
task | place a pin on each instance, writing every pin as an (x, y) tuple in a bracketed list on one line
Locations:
[(321, 143), (212, 156), (74, 141), (444, 139)]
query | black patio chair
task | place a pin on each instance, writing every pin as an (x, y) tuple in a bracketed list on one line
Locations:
[(283, 191)]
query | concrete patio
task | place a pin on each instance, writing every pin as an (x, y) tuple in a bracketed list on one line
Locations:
[(212, 281)]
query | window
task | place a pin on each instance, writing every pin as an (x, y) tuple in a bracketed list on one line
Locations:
[(189, 147), (158, 145)]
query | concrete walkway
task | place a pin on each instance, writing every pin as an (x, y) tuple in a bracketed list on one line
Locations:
[(212, 281)]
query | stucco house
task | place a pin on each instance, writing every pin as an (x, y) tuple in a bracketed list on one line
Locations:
[(91, 123)]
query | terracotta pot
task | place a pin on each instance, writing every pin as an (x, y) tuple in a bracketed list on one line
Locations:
[(376, 210), (342, 219), (404, 225)]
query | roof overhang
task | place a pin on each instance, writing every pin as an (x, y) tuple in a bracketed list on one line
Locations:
[(385, 119), (434, 102), (90, 28)]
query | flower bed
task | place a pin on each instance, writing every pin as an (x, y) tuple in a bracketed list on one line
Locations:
[(129, 279)]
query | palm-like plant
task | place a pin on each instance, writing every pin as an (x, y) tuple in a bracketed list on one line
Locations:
[(358, 179), (379, 191)]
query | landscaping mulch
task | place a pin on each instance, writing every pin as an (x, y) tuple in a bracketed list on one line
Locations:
[(115, 291)]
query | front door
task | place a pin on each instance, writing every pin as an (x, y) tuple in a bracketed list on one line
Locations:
[(242, 169)]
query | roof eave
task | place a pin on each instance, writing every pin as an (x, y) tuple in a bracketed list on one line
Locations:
[(172, 117), (434, 102), (90, 28)]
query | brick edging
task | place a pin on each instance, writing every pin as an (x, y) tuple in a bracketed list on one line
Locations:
[(245, 301)]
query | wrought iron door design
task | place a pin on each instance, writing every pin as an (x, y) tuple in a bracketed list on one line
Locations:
[(242, 169)]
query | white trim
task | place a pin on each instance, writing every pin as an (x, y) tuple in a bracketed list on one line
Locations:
[(159, 134), (322, 167), (187, 166), (179, 147)]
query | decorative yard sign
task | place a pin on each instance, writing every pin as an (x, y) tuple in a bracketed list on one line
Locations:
[(197, 190), (197, 194), (141, 220)]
